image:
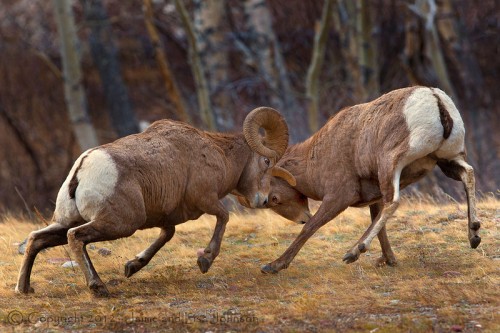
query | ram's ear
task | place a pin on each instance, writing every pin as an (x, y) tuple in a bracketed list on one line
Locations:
[(284, 174), (243, 201)]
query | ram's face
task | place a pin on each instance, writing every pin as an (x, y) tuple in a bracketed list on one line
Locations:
[(266, 150), (255, 181), (285, 200)]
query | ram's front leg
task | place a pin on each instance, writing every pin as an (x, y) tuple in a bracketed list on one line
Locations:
[(328, 210), (143, 258), (206, 259)]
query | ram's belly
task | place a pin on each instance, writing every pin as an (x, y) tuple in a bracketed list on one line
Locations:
[(177, 216), (416, 171), (370, 189)]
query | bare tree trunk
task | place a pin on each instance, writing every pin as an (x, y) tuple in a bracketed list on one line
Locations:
[(202, 89), (456, 41), (317, 59), (265, 46), (417, 65), (211, 30), (262, 43), (73, 89), (168, 77), (105, 56), (353, 21), (367, 53), (345, 22), (426, 10)]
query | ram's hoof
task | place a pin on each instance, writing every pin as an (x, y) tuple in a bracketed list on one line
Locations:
[(349, 258), (132, 267), (99, 290), (362, 247), (268, 269), (475, 241), (475, 226), (26, 290), (383, 261), (204, 264)]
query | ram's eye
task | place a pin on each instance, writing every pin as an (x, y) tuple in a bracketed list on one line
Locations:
[(274, 199), (266, 160)]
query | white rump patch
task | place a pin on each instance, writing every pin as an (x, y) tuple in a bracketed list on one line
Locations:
[(422, 116), (426, 131), (97, 179), (66, 211)]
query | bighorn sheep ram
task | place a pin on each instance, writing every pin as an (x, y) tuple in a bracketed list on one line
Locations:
[(363, 156), (167, 175)]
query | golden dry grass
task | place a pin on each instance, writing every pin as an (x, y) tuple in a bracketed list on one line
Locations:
[(439, 282)]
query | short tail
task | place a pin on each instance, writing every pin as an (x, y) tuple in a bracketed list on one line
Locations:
[(73, 183), (445, 117)]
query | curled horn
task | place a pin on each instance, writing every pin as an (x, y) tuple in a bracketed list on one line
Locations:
[(276, 138), (284, 174)]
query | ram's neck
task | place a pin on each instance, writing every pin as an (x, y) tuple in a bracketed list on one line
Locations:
[(236, 153), (295, 161)]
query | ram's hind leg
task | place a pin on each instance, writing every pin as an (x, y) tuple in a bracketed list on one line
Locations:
[(460, 170), (95, 231), (53, 235), (387, 257), (143, 258)]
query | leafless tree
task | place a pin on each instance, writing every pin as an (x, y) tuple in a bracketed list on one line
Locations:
[(202, 89), (211, 31), (265, 46), (317, 59), (73, 90), (170, 82), (105, 56)]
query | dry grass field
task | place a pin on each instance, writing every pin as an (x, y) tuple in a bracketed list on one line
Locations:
[(439, 285)]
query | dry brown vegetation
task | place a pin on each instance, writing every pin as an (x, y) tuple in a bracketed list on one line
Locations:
[(440, 284)]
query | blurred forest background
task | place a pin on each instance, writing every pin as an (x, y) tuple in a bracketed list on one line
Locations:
[(74, 74)]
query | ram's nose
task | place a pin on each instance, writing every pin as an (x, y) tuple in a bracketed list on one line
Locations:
[(259, 201), (304, 217)]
